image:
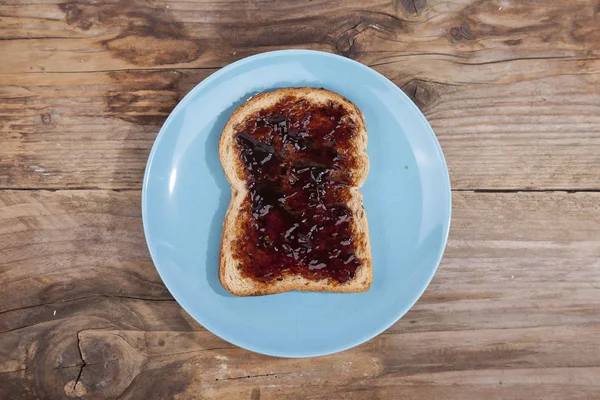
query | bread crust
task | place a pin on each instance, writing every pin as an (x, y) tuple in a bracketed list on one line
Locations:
[(229, 273)]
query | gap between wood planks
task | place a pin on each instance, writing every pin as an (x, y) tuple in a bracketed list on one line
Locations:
[(94, 296), (79, 188), (554, 190), (117, 70), (584, 190), (372, 65)]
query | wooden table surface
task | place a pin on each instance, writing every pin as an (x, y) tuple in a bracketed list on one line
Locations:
[(512, 90)]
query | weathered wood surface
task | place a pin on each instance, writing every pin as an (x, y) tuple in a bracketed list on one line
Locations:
[(511, 313), (95, 130), (511, 88)]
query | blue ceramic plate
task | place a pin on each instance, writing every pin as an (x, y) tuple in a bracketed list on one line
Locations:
[(406, 195)]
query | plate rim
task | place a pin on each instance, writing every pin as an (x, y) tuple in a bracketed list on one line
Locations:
[(183, 103)]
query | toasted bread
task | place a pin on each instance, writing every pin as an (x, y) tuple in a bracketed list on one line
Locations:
[(231, 273)]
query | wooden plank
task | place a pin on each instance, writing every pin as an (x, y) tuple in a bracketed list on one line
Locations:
[(67, 245), (511, 88), (511, 313), (440, 39), (414, 366), (95, 130), (84, 130), (534, 134)]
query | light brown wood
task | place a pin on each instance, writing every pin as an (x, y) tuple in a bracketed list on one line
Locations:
[(511, 313), (57, 247), (95, 130), (84, 130), (512, 90), (138, 34)]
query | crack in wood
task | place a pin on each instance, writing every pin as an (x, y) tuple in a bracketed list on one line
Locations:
[(342, 36), (413, 6), (392, 16), (83, 365), (12, 371), (22, 327), (567, 58), (79, 364), (84, 298), (108, 189), (253, 376), (169, 354), (557, 190), (396, 58), (211, 68), (476, 190), (274, 374), (41, 37)]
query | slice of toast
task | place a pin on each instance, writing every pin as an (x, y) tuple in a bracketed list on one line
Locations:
[(241, 251)]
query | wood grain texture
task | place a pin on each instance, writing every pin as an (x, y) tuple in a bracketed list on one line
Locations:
[(511, 313), (95, 130), (512, 90), (85, 130), (56, 247), (83, 35)]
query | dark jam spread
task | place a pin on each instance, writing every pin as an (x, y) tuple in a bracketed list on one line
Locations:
[(296, 157)]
